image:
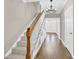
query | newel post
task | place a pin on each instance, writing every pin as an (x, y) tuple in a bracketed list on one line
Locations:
[(28, 34)]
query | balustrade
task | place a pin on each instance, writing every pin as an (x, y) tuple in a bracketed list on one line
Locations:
[(35, 36)]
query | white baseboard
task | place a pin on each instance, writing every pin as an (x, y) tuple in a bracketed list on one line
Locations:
[(66, 47)]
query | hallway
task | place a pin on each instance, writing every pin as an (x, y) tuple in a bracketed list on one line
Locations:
[(53, 48), (34, 29)]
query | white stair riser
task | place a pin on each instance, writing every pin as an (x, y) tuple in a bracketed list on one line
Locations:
[(18, 51), (13, 56), (23, 38), (21, 44)]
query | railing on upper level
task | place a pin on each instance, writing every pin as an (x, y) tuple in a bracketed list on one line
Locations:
[(31, 31)]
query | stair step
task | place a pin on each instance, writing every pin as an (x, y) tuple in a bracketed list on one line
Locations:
[(24, 43), (14, 56), (23, 38), (19, 50), (21, 44)]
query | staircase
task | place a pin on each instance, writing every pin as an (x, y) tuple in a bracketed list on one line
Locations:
[(19, 51), (36, 39)]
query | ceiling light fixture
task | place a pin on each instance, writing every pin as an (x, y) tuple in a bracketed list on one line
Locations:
[(51, 9)]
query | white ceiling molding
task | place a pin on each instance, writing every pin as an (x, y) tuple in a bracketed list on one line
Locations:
[(25, 1), (45, 4)]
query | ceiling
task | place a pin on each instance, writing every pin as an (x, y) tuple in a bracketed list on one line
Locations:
[(58, 4)]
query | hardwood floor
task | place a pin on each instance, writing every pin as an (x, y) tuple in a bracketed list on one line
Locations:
[(53, 48)]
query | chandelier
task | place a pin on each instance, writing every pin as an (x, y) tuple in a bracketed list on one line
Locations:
[(51, 9)]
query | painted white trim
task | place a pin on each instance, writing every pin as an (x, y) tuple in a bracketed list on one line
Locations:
[(63, 42), (66, 47)]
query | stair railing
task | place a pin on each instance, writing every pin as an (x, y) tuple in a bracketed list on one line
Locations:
[(29, 33)]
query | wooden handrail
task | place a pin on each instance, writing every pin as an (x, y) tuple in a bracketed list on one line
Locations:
[(29, 32), (35, 21)]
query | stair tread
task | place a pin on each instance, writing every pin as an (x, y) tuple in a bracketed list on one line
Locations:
[(15, 56), (23, 38), (19, 50), (23, 41)]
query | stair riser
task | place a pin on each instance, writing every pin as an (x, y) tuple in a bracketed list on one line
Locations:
[(13, 56), (19, 44), (14, 51), (24, 38)]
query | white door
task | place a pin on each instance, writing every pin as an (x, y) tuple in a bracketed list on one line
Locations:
[(69, 29)]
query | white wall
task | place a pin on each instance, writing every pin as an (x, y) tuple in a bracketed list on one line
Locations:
[(17, 16), (53, 25), (67, 26)]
